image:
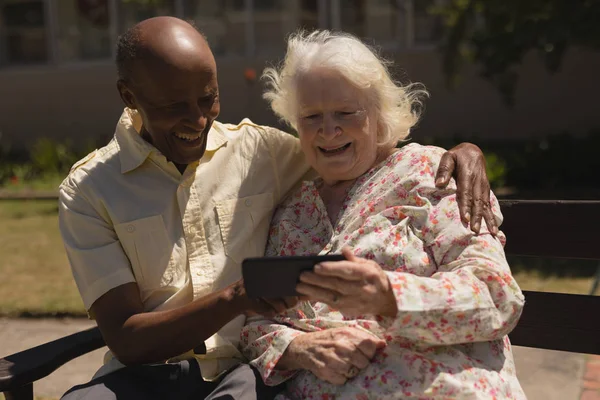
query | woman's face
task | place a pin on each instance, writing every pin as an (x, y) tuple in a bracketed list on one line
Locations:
[(337, 126)]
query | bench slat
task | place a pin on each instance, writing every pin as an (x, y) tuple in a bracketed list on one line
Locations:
[(552, 228), (557, 321)]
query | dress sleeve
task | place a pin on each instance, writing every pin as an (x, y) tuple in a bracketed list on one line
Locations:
[(472, 296), (263, 343)]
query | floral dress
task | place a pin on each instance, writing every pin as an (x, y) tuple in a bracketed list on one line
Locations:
[(456, 297)]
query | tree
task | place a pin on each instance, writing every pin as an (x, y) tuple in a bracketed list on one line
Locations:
[(497, 34)]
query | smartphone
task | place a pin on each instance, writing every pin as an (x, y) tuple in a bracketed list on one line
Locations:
[(275, 277)]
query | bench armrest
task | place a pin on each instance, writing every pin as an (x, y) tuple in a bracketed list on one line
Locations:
[(30, 365)]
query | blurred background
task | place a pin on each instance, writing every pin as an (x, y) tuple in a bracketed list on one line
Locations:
[(516, 77), (519, 78)]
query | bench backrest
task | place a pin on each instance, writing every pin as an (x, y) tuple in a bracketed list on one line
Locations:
[(555, 229)]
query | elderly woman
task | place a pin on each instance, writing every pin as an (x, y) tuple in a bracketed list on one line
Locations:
[(421, 307)]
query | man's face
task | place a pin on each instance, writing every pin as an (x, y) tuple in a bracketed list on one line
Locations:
[(177, 106)]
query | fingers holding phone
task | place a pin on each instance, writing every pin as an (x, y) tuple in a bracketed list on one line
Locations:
[(277, 277), (267, 307), (354, 286), (273, 307)]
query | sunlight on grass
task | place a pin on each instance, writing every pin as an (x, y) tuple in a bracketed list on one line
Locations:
[(554, 275), (533, 280), (36, 275)]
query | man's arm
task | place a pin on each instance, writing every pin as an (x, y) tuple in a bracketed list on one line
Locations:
[(104, 278), (466, 163), (138, 337)]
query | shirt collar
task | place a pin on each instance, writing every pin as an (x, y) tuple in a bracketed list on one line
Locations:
[(134, 150), (216, 137)]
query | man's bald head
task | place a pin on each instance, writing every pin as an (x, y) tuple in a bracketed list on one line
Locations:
[(167, 40), (169, 75)]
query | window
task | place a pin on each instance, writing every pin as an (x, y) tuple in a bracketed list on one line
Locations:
[(378, 20), (309, 14), (23, 37), (83, 29), (131, 12), (353, 17), (274, 20), (428, 27), (222, 21)]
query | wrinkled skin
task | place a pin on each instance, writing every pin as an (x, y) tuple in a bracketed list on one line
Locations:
[(467, 164)]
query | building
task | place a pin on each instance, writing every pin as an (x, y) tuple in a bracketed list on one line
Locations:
[(57, 78)]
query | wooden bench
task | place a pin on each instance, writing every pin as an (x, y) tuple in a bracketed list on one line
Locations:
[(555, 229)]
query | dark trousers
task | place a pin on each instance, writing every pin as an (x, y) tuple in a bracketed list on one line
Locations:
[(173, 381)]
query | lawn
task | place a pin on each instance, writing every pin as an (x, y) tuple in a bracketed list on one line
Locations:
[(36, 279), (48, 182)]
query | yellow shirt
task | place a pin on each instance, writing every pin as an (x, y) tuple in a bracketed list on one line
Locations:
[(127, 215)]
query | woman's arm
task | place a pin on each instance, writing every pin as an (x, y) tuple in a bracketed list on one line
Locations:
[(333, 355), (473, 295), (264, 342)]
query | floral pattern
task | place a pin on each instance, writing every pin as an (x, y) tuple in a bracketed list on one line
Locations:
[(456, 297)]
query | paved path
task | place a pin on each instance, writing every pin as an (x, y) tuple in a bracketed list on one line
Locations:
[(545, 375), (591, 379), (21, 334)]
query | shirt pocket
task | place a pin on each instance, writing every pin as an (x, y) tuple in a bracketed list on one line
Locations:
[(244, 224), (149, 250)]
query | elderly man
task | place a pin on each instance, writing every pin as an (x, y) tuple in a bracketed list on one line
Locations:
[(156, 223)]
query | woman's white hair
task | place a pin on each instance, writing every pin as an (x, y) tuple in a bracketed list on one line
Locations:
[(398, 105)]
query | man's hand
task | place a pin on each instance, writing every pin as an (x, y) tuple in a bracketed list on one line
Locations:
[(268, 308), (467, 164), (333, 355)]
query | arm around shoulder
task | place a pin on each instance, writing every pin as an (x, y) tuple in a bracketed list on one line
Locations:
[(472, 296)]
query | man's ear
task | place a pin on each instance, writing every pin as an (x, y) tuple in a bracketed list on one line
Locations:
[(126, 94)]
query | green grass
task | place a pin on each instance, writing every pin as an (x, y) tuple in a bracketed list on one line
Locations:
[(37, 280), (536, 281), (47, 182), (554, 275)]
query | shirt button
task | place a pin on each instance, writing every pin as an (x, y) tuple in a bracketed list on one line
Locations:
[(248, 202), (130, 228)]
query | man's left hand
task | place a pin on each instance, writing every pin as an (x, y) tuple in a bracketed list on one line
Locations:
[(467, 164), (355, 286)]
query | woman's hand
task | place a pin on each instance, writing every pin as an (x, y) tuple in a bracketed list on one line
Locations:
[(466, 163), (355, 286), (333, 355)]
